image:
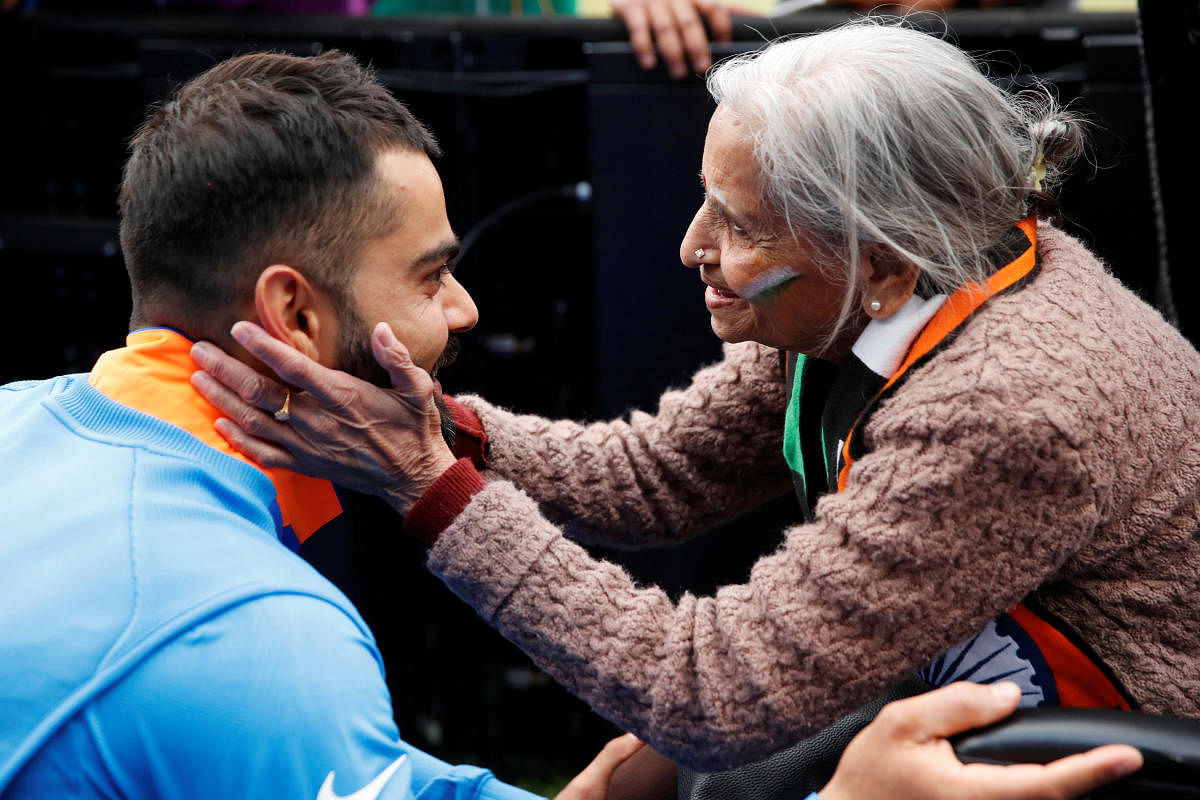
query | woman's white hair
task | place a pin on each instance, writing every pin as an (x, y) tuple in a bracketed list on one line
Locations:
[(876, 134)]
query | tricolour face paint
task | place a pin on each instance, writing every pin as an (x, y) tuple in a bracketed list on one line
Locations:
[(723, 206), (717, 194), (769, 283), (748, 290)]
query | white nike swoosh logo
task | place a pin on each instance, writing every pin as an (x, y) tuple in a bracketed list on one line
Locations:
[(370, 791)]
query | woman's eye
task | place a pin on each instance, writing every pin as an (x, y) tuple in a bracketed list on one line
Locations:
[(733, 226)]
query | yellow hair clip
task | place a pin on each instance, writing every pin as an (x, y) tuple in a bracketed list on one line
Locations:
[(1038, 171)]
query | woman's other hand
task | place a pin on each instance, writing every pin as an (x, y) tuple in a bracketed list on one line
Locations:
[(382, 441), (905, 755)]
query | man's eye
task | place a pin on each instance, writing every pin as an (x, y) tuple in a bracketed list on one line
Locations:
[(440, 274)]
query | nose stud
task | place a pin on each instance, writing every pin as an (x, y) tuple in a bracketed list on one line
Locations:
[(699, 253)]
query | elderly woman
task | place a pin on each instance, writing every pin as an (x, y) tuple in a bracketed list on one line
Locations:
[(995, 445)]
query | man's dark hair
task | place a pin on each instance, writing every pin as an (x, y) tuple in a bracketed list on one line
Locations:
[(263, 159)]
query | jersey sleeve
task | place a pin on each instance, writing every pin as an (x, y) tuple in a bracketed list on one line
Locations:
[(434, 779), (283, 696)]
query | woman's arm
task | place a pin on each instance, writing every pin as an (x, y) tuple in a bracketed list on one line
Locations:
[(941, 527), (712, 451), (968, 498)]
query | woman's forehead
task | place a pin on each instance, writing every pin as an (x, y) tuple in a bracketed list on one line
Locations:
[(730, 172)]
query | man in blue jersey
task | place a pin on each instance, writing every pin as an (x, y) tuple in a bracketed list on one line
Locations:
[(161, 638)]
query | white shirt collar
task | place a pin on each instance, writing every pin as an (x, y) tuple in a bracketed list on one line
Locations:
[(883, 343)]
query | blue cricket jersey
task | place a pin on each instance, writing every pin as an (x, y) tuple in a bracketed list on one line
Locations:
[(158, 638)]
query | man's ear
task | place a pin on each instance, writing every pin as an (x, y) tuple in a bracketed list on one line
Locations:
[(295, 312), (890, 281)]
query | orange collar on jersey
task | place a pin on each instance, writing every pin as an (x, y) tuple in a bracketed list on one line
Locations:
[(957, 308), (150, 374)]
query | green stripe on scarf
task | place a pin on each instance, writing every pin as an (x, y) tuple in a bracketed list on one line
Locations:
[(791, 423)]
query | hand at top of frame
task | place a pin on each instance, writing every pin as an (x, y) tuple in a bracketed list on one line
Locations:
[(382, 441), (904, 754), (677, 27)]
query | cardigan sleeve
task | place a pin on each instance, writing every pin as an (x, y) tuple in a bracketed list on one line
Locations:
[(961, 506), (712, 451)]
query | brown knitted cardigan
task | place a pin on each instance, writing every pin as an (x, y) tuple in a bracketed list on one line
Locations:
[(1053, 445)]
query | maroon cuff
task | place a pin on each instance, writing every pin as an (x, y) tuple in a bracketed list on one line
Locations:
[(443, 501), (470, 439)]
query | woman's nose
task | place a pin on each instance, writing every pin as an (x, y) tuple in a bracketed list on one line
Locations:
[(697, 246)]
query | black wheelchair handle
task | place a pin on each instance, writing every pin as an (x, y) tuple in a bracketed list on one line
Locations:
[(1170, 746)]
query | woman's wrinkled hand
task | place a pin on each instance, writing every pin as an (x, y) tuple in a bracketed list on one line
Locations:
[(381, 441)]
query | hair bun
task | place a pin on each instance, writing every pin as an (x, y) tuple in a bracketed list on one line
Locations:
[(1059, 138)]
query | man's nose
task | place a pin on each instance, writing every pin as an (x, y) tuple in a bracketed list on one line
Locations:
[(459, 308)]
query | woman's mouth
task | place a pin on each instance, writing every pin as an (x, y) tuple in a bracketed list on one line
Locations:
[(717, 297)]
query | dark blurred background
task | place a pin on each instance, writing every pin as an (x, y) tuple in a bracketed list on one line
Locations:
[(573, 174)]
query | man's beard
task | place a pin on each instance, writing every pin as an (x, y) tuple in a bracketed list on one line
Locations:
[(356, 357)]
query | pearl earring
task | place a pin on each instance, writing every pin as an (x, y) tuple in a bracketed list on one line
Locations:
[(875, 305)]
